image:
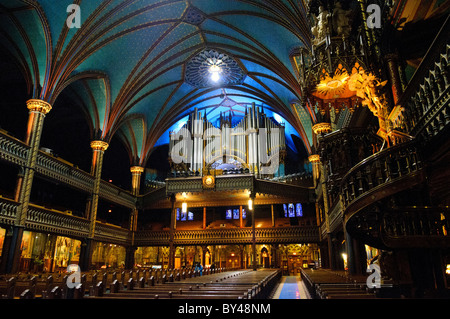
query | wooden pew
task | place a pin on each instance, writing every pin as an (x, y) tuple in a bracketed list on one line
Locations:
[(233, 285), (7, 288)]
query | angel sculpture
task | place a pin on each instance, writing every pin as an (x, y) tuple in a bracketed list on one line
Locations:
[(341, 20), (321, 25)]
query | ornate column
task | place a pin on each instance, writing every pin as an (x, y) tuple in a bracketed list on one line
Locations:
[(136, 173), (38, 109), (98, 149)]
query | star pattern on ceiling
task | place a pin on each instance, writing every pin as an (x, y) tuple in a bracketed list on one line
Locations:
[(129, 59)]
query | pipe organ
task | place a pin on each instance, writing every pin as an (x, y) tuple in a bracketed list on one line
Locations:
[(255, 144)]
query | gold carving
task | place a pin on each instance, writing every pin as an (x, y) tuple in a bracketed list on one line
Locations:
[(208, 181), (136, 169), (315, 158), (99, 145), (333, 87), (320, 128), (39, 106)]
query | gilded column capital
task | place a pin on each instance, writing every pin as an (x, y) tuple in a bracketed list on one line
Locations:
[(315, 158), (320, 128), (99, 145), (39, 106), (136, 169)]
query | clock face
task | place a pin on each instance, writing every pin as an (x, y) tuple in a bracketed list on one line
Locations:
[(208, 181)]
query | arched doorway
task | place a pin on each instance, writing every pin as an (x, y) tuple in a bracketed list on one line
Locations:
[(265, 260)]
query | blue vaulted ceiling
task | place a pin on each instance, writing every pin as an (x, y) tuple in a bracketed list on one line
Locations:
[(125, 66)]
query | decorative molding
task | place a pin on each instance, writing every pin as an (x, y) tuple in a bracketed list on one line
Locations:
[(315, 158), (194, 16), (136, 170), (99, 145), (40, 106), (321, 128)]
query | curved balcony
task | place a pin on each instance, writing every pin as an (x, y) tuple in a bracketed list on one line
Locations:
[(380, 175), (15, 152), (416, 227), (377, 177)]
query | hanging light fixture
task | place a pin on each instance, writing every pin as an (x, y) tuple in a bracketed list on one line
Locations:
[(250, 204), (215, 70), (184, 207)]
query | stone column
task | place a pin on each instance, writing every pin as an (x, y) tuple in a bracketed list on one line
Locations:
[(98, 149), (38, 109), (136, 173)]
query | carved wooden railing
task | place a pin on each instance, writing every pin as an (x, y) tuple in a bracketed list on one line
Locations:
[(423, 113), (42, 219), (15, 151), (230, 236), (381, 175), (416, 227), (46, 220), (426, 99)]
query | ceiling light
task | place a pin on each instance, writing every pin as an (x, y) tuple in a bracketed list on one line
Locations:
[(215, 72)]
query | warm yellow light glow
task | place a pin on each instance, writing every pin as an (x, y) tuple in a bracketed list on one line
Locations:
[(250, 204), (333, 87), (447, 270), (184, 207)]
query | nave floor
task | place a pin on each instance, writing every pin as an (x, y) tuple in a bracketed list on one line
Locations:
[(291, 287)]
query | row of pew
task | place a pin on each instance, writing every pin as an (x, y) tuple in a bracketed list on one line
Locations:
[(327, 284), (55, 285), (238, 284)]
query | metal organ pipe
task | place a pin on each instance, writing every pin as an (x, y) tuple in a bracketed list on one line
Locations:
[(241, 142)]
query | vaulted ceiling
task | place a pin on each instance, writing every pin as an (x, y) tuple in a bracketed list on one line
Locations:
[(125, 66)]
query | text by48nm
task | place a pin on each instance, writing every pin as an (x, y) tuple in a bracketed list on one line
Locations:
[(240, 308)]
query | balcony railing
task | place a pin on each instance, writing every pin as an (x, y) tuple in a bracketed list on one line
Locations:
[(380, 175), (426, 99), (15, 152), (416, 227), (273, 235), (42, 219)]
